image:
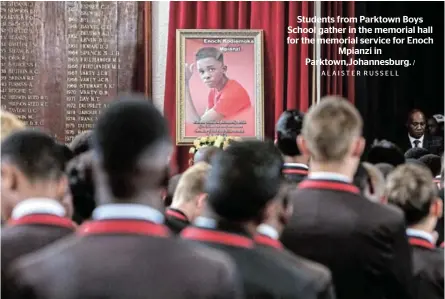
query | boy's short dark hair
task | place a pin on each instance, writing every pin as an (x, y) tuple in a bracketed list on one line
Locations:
[(361, 178), (416, 153), (433, 162), (210, 52), (126, 130), (385, 152), (80, 175), (243, 179), (35, 153), (288, 128), (81, 143)]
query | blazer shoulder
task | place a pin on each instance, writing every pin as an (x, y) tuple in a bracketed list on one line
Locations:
[(322, 276), (305, 274), (207, 254), (384, 215)]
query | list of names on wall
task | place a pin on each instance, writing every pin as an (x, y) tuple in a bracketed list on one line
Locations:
[(19, 74), (60, 61), (93, 62)]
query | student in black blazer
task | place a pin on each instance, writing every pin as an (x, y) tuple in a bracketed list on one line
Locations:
[(287, 129), (243, 180), (33, 189), (363, 243), (267, 239), (411, 188), (189, 199), (126, 251)]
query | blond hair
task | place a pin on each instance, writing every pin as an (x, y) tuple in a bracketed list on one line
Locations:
[(411, 187), (330, 127), (9, 123), (377, 180), (191, 183)]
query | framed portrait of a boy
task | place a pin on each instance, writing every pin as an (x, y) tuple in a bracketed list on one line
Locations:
[(219, 84)]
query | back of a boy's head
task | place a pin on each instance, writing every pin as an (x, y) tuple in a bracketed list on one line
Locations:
[(433, 162), (411, 188), (209, 52), (243, 179), (385, 152), (191, 183), (128, 129), (205, 154), (330, 127), (361, 178), (36, 154), (81, 143), (385, 168), (9, 123), (416, 153), (288, 128)]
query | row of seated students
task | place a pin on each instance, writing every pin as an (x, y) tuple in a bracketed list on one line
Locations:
[(301, 218)]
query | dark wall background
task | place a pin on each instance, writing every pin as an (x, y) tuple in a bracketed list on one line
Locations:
[(384, 102)]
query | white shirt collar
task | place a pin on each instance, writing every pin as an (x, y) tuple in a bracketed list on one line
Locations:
[(411, 140), (205, 222), (411, 232), (128, 211), (324, 175), (267, 230), (38, 205), (296, 165)]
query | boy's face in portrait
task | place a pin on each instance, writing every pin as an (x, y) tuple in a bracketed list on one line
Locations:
[(211, 71)]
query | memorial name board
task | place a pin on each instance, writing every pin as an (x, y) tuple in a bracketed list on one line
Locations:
[(62, 62)]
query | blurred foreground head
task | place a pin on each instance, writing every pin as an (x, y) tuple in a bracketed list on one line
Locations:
[(81, 143), (243, 179), (131, 151), (205, 154), (9, 123)]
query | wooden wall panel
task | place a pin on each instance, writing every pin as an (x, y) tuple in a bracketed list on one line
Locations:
[(62, 62)]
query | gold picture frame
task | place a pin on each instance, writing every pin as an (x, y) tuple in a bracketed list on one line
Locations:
[(229, 41)]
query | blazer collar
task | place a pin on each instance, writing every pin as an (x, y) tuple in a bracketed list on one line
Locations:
[(296, 165), (334, 185), (269, 231), (420, 238), (40, 211), (268, 236), (36, 205), (329, 176), (295, 168), (221, 232), (217, 236), (177, 214), (124, 211), (205, 222)]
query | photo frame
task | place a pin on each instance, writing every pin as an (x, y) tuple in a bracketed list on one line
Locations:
[(219, 84)]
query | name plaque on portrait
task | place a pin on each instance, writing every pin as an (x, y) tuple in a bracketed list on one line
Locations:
[(219, 84), (62, 62)]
